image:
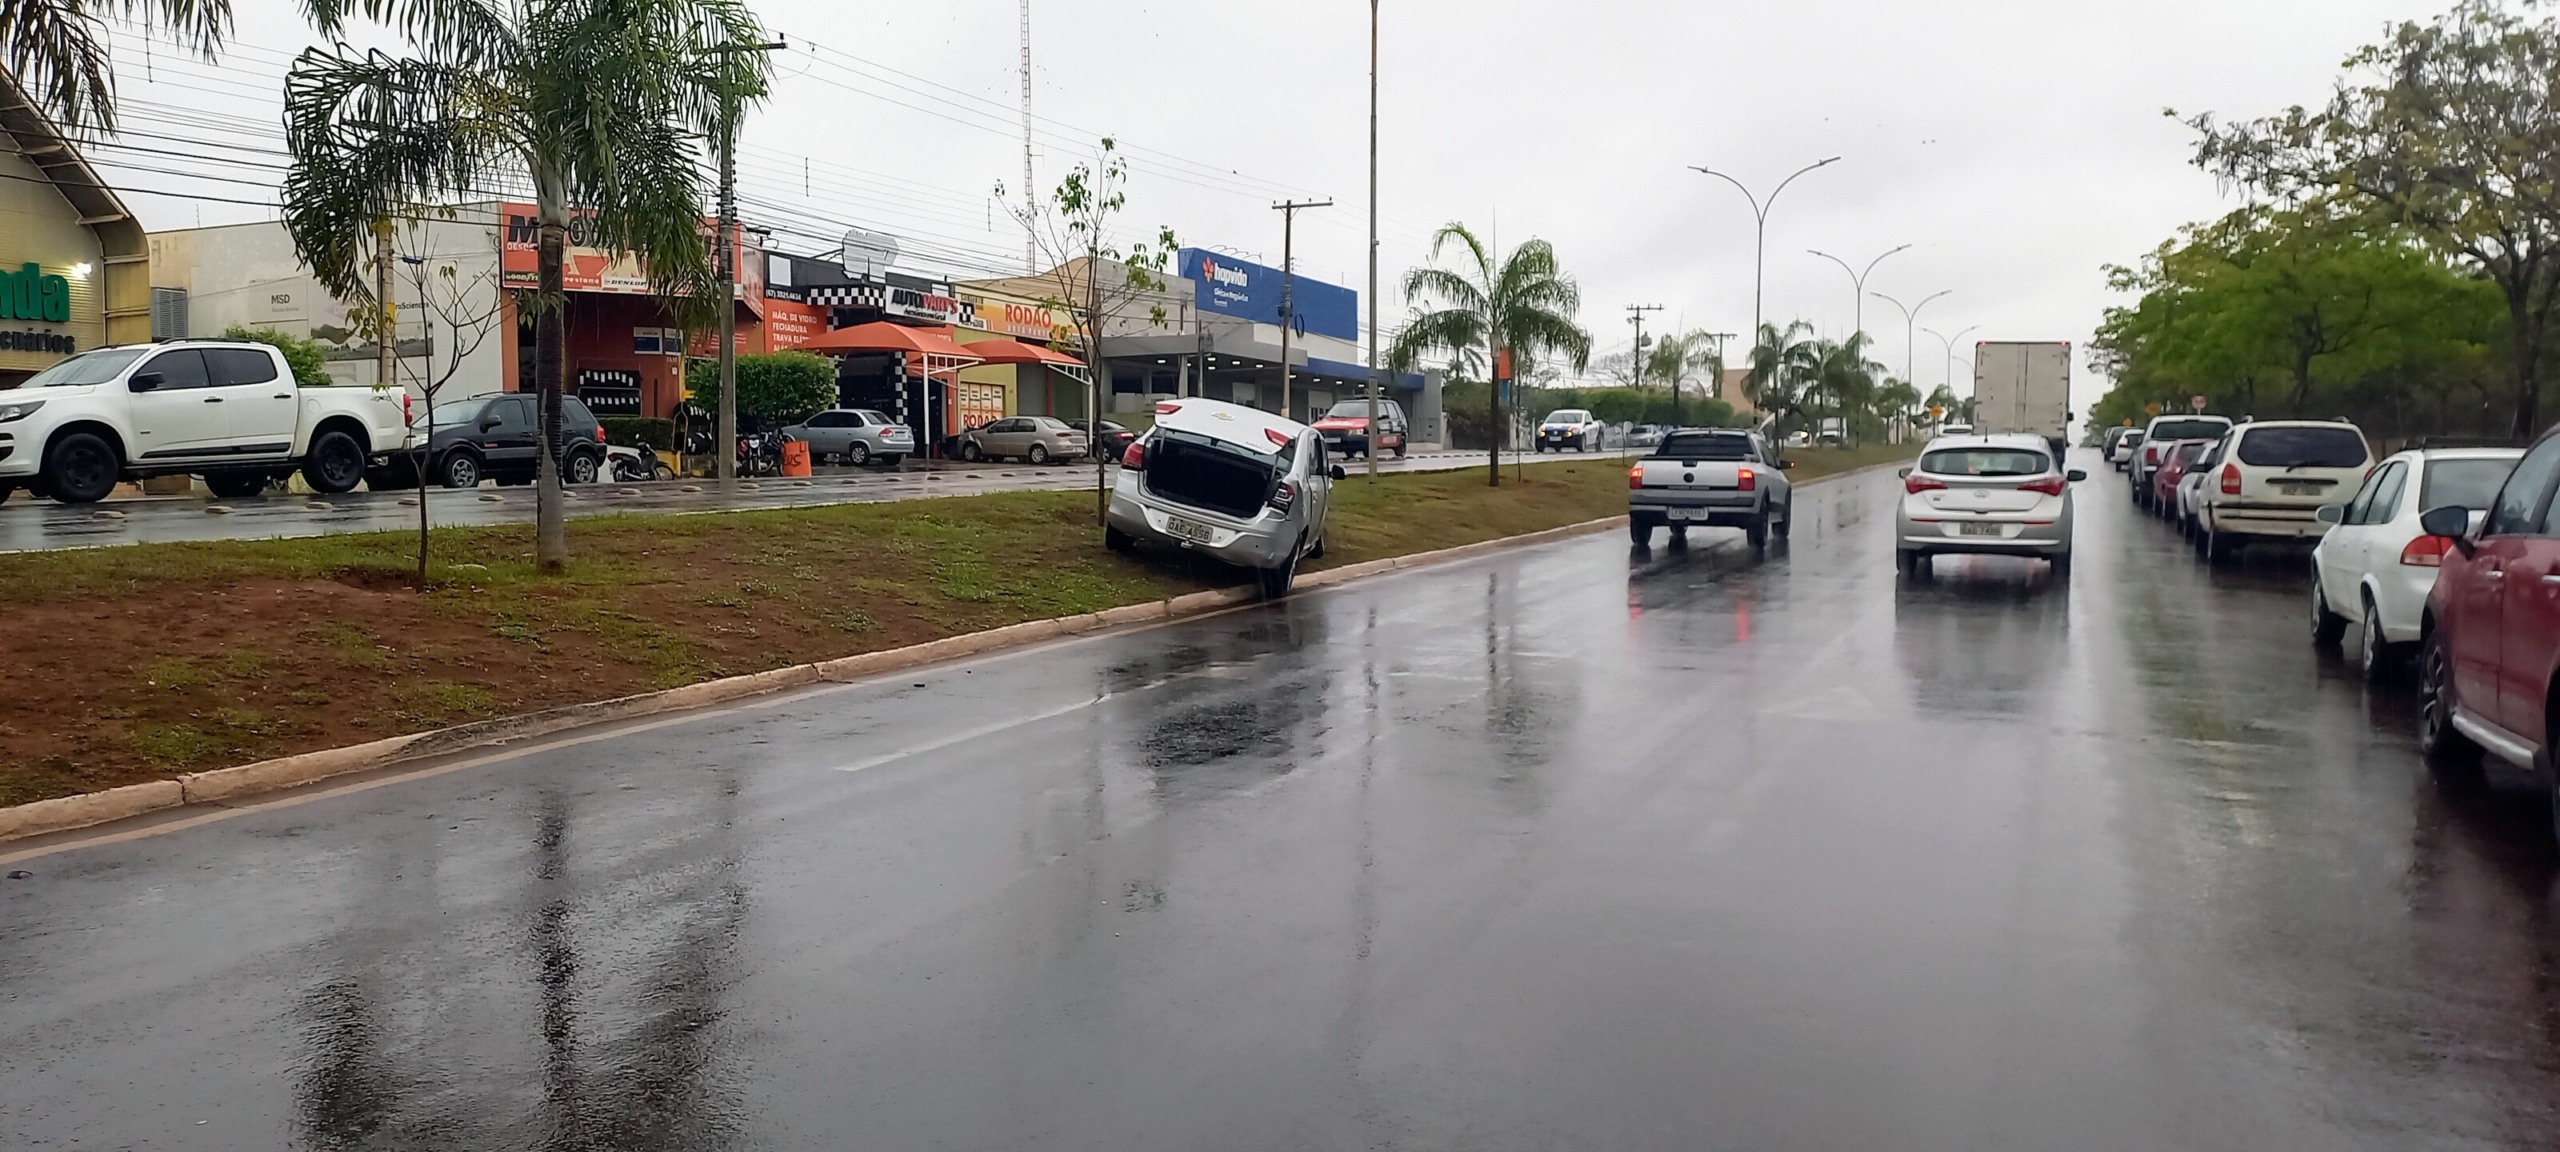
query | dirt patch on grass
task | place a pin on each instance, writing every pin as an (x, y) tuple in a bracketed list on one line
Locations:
[(138, 663)]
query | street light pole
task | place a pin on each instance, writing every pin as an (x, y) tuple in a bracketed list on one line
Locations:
[(1760, 246), (1858, 286), (1369, 455), (1950, 343), (1910, 339)]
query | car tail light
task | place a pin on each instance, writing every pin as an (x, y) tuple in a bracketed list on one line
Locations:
[(1167, 407), (1284, 495), (1635, 476), (1135, 459), (2150, 453), (1277, 436), (599, 432), (1064, 435), (2426, 551), (2230, 479), (2050, 485), (1746, 480), (1919, 484), (407, 416)]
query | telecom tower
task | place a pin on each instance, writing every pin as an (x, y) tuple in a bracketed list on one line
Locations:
[(1030, 197)]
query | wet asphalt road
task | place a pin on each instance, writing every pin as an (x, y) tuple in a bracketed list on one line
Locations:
[(31, 525), (1564, 849)]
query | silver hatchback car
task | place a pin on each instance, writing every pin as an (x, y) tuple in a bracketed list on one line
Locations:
[(1235, 483), (2004, 494)]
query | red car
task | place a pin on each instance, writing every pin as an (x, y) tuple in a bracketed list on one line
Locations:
[(1345, 427), (2489, 673), (2175, 460)]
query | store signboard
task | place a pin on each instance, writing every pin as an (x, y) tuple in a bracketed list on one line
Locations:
[(585, 267), (789, 324), (1233, 286), (915, 298), (1022, 321)]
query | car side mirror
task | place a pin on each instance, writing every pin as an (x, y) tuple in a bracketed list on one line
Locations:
[(1905, 474), (146, 381), (488, 423), (1336, 472), (2452, 521), (2332, 513), (2076, 475)]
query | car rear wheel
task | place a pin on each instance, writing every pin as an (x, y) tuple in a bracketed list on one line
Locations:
[(1758, 532), (1913, 562), (858, 454), (2062, 564), (1275, 582), (582, 468), (2377, 657), (2327, 627), (2215, 548), (1038, 455), (460, 470), (2453, 757), (1787, 518), (1640, 532), (1116, 540), (336, 463)]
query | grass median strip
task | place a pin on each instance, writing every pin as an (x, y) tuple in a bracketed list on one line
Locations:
[(136, 663)]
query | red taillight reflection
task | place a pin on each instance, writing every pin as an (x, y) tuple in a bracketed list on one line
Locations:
[(1635, 476), (599, 433), (1167, 407), (1918, 484), (1746, 480), (2050, 485), (1135, 459), (2426, 551), (2230, 479), (1277, 436)]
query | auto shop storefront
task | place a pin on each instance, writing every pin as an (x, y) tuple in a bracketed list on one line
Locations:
[(625, 344), (74, 265)]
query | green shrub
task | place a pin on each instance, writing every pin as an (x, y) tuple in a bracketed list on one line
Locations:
[(780, 386), (640, 431), (310, 366)]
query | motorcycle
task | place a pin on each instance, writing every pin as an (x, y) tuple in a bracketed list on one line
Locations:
[(760, 454), (632, 465)]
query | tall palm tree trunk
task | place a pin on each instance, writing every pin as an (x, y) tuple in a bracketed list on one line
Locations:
[(550, 339)]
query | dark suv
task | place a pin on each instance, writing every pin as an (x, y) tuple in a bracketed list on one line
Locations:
[(496, 437)]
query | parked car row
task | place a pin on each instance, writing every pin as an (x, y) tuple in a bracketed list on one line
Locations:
[(2225, 485)]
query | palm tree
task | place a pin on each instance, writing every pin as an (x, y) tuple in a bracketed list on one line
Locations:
[(1783, 364), (1523, 307), (1896, 402), (55, 47), (1688, 356), (1845, 377), (602, 105)]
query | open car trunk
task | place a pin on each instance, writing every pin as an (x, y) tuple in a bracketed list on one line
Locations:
[(1203, 473)]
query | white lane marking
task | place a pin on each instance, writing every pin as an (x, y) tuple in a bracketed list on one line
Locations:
[(978, 733)]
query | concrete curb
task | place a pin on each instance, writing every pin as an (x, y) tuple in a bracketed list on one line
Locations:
[(70, 813)]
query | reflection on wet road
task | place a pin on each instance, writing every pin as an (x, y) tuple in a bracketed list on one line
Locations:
[(32, 525), (1570, 848)]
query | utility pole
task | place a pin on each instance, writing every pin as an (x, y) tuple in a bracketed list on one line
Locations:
[(726, 451), (389, 354), (1288, 210), (1030, 199), (1635, 314), (1760, 250), (1369, 455)]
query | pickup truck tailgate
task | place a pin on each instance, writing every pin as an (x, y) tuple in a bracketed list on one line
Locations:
[(1695, 475)]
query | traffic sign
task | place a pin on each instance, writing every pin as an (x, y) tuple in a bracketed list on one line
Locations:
[(2152, 409), (2196, 402)]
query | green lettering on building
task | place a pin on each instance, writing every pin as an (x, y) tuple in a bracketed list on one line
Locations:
[(29, 294)]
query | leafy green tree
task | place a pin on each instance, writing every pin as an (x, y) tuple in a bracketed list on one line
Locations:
[(59, 49), (602, 106), (2450, 129), (310, 365), (1523, 306), (2301, 312), (1687, 358), (1843, 378), (781, 387)]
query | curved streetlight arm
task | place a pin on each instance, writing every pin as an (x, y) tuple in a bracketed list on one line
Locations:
[(1782, 184), (1757, 212), (1911, 312)]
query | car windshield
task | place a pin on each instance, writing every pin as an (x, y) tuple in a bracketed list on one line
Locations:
[(86, 368), (2189, 430), (1568, 416), (1704, 446), (453, 412), (2338, 446), (1983, 462), (1357, 409), (2464, 483)]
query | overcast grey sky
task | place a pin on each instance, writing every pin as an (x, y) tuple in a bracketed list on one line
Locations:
[(2018, 144)]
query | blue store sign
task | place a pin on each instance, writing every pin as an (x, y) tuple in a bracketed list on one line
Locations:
[(1232, 286)]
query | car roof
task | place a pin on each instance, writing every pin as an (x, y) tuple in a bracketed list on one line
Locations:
[(1989, 440), (2256, 424), (2188, 416), (2458, 454), (1227, 423)]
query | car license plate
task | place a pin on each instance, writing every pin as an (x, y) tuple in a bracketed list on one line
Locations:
[(1978, 529), (2299, 489), (1192, 530)]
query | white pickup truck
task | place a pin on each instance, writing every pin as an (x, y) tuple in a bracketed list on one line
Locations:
[(226, 410), (1724, 478)]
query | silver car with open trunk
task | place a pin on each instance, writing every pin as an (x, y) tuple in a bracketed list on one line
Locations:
[(1235, 483)]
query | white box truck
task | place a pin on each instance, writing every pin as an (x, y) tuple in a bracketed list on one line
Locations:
[(2023, 386)]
